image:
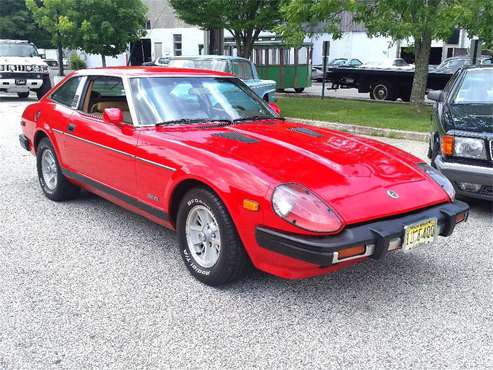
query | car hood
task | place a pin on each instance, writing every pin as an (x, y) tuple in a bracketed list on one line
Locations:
[(472, 117), (352, 174), (22, 61)]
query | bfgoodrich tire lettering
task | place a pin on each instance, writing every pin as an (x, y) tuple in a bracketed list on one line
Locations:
[(232, 262), (60, 188)]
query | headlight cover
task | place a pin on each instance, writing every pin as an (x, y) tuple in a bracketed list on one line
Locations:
[(469, 148), (300, 207), (440, 179)]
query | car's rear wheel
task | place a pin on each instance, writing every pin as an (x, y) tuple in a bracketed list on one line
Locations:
[(23, 95), (208, 241), (53, 183)]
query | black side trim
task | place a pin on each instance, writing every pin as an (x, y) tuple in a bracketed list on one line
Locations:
[(306, 131), (237, 136), (319, 250), (115, 193)]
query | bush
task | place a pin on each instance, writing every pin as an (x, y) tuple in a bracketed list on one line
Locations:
[(76, 62)]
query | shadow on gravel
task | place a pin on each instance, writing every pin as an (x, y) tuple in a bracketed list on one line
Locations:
[(398, 274)]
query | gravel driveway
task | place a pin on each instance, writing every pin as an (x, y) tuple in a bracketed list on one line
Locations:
[(86, 284)]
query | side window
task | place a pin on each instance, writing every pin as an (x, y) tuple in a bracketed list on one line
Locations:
[(66, 94), (242, 69), (106, 92)]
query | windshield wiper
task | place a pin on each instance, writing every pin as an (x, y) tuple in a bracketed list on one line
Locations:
[(254, 118), (196, 120), (180, 121)]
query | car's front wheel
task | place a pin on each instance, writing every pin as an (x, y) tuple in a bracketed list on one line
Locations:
[(53, 183), (208, 241)]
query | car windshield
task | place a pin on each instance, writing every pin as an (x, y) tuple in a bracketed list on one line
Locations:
[(17, 50), (476, 87), (161, 100), (210, 64)]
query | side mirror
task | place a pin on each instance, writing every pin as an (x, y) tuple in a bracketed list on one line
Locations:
[(435, 95), (275, 108), (113, 116)]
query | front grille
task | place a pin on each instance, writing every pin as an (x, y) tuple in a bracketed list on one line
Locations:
[(487, 190), (16, 68)]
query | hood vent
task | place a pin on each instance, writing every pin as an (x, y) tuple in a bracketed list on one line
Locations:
[(237, 136), (306, 131)]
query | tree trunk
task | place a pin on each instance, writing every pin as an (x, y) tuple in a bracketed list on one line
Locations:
[(422, 57), (103, 59), (60, 57)]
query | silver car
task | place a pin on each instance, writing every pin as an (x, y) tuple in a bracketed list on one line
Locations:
[(240, 67)]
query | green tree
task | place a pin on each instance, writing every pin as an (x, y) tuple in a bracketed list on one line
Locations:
[(244, 19), (16, 22), (420, 21), (476, 17), (56, 17), (108, 26)]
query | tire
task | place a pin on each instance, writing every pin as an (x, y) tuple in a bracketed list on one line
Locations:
[(59, 189), (382, 90), (23, 95), (43, 90), (434, 151), (299, 90), (211, 265)]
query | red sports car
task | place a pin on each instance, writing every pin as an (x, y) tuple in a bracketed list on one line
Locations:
[(199, 152)]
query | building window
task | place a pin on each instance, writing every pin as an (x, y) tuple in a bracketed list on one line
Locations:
[(177, 45), (148, 24)]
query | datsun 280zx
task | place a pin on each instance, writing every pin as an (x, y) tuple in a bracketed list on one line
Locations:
[(199, 152)]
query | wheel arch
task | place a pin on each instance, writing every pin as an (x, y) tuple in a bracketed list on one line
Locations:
[(179, 191), (38, 136)]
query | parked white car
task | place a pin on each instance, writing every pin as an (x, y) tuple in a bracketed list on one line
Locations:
[(22, 70)]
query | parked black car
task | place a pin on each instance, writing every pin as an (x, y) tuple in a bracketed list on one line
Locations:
[(461, 144)]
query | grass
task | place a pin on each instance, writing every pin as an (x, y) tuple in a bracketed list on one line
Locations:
[(374, 114)]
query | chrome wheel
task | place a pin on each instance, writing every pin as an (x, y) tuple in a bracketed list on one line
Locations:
[(203, 237), (49, 169)]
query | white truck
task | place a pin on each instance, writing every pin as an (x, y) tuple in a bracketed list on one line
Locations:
[(22, 70)]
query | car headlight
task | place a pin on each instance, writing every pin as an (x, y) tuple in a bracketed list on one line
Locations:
[(44, 68), (466, 147), (440, 179), (300, 207), (29, 68), (469, 147)]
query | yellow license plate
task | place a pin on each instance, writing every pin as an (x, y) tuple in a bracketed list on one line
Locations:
[(423, 232)]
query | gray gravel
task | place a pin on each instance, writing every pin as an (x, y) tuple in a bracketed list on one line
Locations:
[(86, 284)]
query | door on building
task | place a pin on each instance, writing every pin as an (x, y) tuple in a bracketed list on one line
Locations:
[(158, 50), (140, 52)]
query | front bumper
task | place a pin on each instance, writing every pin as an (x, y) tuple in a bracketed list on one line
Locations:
[(379, 237), (458, 172)]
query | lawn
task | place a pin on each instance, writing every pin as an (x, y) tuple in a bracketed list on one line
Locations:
[(365, 113)]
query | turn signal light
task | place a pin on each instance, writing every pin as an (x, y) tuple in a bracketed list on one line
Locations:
[(351, 251), (251, 205), (447, 145)]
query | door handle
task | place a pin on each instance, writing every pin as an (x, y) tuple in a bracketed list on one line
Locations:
[(71, 127)]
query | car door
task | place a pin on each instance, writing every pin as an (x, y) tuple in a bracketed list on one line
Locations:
[(60, 108), (102, 153)]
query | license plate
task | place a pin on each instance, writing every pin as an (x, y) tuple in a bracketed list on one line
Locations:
[(20, 82), (420, 233)]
